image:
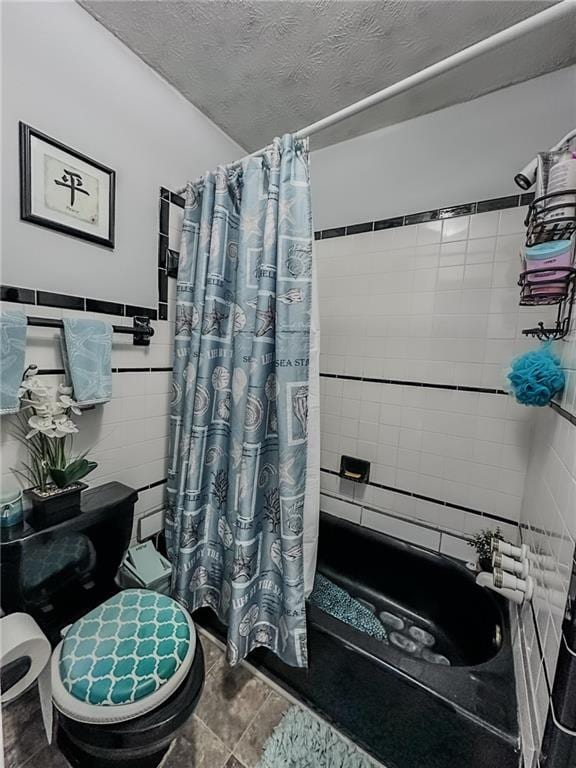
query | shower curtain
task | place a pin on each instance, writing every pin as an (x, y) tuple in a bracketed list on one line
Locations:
[(243, 478)]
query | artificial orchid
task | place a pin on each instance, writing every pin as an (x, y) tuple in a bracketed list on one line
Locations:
[(45, 426)]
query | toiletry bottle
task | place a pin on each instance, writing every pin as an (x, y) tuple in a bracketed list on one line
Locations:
[(562, 177)]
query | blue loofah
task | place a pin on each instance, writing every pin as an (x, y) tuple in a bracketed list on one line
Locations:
[(536, 377)]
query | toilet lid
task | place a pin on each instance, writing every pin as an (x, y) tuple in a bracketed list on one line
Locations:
[(125, 650)]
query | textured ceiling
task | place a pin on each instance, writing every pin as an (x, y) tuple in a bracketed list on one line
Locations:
[(259, 69)]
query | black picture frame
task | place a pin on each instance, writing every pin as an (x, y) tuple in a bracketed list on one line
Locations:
[(26, 133)]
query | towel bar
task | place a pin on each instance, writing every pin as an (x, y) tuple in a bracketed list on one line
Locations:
[(141, 329)]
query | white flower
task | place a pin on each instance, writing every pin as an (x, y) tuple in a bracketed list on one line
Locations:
[(64, 426), (68, 402), (43, 424), (36, 386), (51, 408)]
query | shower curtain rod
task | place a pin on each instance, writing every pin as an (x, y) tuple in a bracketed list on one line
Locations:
[(439, 68)]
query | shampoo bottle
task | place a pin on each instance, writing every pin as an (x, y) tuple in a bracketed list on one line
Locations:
[(562, 178)]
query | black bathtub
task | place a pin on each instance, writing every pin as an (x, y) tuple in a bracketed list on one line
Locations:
[(407, 712)]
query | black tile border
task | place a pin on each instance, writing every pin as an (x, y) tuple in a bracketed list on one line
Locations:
[(421, 218), (498, 203), (422, 384), (32, 296), (134, 311), (77, 303), (167, 258), (152, 485), (153, 369), (106, 307), (437, 214), (62, 300), (458, 210), (570, 417), (61, 371), (387, 223), (431, 499), (162, 286), (18, 295)]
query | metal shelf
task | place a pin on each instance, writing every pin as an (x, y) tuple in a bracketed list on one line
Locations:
[(564, 287), (541, 228)]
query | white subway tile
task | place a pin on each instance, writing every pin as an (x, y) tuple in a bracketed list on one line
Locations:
[(512, 221), (401, 529), (429, 232), (455, 229), (342, 509), (484, 225), (456, 547)]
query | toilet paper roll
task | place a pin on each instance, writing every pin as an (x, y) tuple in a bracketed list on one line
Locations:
[(21, 638)]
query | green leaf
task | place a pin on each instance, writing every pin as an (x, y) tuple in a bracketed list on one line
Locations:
[(75, 471)]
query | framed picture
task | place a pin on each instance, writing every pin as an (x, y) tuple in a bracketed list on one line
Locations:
[(65, 190)]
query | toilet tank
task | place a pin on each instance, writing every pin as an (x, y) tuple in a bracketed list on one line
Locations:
[(59, 572)]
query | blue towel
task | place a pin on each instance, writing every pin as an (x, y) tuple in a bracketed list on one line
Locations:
[(12, 353), (87, 354)]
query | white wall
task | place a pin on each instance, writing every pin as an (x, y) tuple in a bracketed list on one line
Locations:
[(435, 303), (67, 76), (457, 155)]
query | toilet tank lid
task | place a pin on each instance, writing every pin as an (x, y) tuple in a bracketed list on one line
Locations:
[(108, 495)]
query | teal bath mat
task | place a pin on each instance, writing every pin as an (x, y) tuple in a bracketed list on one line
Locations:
[(335, 601), (302, 741)]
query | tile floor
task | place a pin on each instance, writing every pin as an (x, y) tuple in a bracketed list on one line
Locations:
[(235, 716)]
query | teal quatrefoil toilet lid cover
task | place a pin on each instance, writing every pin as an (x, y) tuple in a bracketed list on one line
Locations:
[(125, 649)]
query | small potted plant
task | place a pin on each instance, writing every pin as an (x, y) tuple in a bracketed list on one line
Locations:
[(482, 543), (44, 425)]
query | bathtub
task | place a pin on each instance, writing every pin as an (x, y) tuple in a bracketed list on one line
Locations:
[(407, 712)]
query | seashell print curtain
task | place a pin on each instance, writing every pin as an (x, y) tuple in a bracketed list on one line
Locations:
[(239, 417)]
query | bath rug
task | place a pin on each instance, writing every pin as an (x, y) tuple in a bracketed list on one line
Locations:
[(338, 603), (300, 740)]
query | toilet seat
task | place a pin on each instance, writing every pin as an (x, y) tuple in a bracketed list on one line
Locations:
[(123, 659)]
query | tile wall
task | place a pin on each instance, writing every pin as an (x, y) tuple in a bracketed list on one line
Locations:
[(419, 323), (128, 437), (548, 526)]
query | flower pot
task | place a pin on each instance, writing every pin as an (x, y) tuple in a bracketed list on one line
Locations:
[(55, 505)]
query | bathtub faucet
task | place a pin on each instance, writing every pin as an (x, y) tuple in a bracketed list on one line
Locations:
[(521, 560), (509, 586), (505, 548)]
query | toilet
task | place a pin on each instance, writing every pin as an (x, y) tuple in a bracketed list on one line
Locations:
[(127, 669)]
